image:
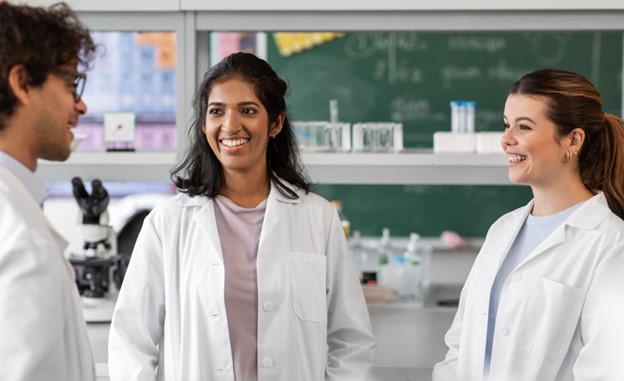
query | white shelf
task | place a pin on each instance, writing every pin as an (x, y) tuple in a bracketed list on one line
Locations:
[(110, 166), (411, 20), (414, 167), (399, 5)]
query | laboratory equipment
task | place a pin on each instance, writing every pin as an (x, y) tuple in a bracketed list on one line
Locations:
[(378, 137), (322, 136), (92, 267), (411, 286)]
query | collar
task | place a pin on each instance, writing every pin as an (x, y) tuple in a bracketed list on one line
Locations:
[(274, 195), (35, 186), (587, 216)]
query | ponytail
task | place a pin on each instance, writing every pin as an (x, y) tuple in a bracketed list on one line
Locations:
[(604, 169)]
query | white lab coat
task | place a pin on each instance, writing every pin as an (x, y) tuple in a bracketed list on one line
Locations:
[(561, 312), (313, 322), (43, 335)]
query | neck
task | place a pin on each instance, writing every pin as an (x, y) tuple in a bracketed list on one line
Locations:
[(246, 189), (16, 139), (14, 151), (554, 199)]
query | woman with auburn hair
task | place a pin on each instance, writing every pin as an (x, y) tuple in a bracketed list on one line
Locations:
[(544, 299)]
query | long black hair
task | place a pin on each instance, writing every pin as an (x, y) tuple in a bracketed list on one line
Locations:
[(200, 172)]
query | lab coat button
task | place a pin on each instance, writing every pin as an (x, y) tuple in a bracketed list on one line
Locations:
[(504, 330), (268, 306), (267, 362), (517, 277)]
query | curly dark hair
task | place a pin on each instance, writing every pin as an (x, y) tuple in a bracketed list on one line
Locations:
[(200, 172), (40, 39)]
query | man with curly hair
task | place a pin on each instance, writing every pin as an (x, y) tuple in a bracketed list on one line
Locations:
[(42, 330)]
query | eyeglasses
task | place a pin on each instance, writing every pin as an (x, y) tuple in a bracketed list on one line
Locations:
[(79, 81)]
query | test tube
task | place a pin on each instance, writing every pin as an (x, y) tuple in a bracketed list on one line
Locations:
[(456, 116), (462, 117), (470, 116), (333, 111)]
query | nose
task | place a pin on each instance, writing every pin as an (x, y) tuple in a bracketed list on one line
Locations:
[(508, 138), (231, 124), (81, 107)]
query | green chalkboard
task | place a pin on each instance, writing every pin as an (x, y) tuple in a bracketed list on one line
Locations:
[(411, 78)]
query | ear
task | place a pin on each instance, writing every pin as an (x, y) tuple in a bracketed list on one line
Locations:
[(18, 83), (577, 137), (277, 126)]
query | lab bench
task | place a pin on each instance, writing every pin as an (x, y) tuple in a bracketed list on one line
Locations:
[(410, 335), (410, 341)]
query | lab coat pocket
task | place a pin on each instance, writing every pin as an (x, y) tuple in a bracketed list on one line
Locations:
[(549, 319), (307, 279)]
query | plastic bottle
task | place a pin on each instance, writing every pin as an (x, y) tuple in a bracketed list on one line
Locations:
[(384, 249), (364, 260), (411, 277), (346, 224)]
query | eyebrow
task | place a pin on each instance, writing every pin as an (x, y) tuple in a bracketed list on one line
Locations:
[(521, 118), (247, 103)]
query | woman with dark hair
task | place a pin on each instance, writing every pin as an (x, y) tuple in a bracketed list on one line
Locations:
[(543, 300), (245, 275)]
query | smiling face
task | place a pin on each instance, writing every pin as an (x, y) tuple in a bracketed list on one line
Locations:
[(56, 113), (237, 126), (536, 155)]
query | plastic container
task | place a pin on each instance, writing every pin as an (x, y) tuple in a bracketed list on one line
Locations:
[(384, 248), (365, 260), (411, 285)]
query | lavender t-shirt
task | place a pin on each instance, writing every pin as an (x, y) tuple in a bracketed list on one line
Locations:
[(239, 231)]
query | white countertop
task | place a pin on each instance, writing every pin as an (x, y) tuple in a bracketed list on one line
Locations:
[(376, 374)]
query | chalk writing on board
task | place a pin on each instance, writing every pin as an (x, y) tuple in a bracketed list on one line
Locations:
[(488, 120), (363, 45), (452, 72), (406, 110), (503, 72), (401, 72), (477, 43), (548, 49), (500, 70), (389, 68)]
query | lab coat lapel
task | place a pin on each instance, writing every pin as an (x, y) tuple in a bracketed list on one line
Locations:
[(587, 216), (512, 227), (207, 223), (274, 211), (32, 209), (555, 238)]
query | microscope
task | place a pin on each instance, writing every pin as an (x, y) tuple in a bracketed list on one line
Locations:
[(92, 267)]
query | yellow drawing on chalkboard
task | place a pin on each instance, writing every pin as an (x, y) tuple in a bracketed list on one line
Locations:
[(290, 43)]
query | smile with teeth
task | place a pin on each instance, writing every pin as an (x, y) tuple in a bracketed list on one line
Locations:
[(234, 142), (513, 158)]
